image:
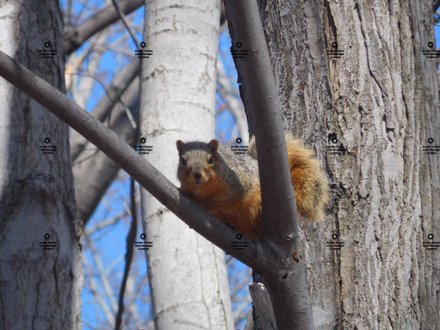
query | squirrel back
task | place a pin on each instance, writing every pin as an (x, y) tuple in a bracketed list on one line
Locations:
[(227, 184)]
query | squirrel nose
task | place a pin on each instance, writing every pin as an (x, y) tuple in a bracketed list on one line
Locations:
[(197, 175)]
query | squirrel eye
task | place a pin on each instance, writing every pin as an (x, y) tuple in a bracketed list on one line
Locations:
[(211, 160), (182, 161)]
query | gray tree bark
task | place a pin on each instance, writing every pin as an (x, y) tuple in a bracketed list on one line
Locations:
[(380, 101), (187, 273), (39, 289)]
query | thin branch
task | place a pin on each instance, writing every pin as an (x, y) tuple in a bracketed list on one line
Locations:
[(124, 20), (105, 17), (89, 193), (77, 162), (110, 295), (240, 313), (134, 294), (113, 92), (93, 289), (129, 254), (82, 92), (116, 49), (235, 106), (105, 223), (106, 92), (250, 320)]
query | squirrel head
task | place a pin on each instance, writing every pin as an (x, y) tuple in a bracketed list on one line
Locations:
[(197, 162)]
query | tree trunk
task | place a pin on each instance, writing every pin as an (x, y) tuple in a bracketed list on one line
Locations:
[(187, 273), (40, 286), (379, 103)]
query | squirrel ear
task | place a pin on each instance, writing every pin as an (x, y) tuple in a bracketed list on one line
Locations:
[(180, 145), (213, 145)]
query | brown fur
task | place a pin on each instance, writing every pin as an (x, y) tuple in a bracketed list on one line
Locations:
[(228, 186)]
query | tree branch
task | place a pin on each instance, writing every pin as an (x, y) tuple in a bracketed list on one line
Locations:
[(287, 283), (102, 19), (261, 100), (258, 255), (114, 91), (263, 306), (128, 255), (435, 5), (124, 20)]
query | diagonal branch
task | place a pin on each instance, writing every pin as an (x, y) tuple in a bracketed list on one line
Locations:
[(114, 91), (260, 98), (287, 283), (127, 26), (258, 255), (102, 19), (435, 5)]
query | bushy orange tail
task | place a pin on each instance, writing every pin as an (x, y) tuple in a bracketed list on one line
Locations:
[(308, 179)]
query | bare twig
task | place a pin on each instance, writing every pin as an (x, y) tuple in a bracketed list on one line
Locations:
[(235, 106), (105, 223), (113, 93), (110, 295), (93, 287), (124, 20), (107, 16), (129, 254)]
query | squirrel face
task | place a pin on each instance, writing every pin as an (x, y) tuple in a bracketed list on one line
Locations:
[(196, 162)]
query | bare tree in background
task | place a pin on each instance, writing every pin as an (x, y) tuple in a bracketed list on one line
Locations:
[(187, 273), (90, 163)]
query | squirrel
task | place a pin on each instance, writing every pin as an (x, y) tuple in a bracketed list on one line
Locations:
[(227, 185)]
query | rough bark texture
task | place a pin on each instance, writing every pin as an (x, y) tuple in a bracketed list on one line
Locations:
[(187, 273), (39, 289), (380, 100), (286, 281)]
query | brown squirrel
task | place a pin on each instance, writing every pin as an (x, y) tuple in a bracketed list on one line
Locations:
[(227, 185)]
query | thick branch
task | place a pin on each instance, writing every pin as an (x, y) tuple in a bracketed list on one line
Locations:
[(261, 100), (263, 305), (435, 5), (286, 283), (257, 255)]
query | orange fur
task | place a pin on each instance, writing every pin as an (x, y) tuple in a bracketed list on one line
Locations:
[(311, 190), (240, 204)]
